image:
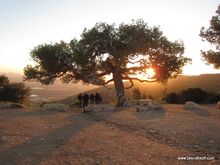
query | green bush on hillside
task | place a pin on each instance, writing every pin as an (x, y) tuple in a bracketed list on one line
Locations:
[(136, 94), (3, 80), (13, 92), (192, 94)]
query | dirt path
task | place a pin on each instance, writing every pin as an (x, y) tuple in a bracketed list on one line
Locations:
[(123, 138)]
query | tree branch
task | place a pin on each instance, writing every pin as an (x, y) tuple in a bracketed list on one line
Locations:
[(139, 61), (133, 78), (137, 68), (103, 73), (105, 83), (132, 84)]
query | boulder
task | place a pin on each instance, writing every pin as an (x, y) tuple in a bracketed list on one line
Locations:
[(99, 108), (190, 105), (55, 107), (218, 105), (11, 105), (149, 106), (139, 102), (141, 108)]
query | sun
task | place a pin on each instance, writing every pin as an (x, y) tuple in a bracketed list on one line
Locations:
[(150, 73), (147, 75)]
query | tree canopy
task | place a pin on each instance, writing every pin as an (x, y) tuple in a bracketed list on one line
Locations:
[(212, 35), (122, 52)]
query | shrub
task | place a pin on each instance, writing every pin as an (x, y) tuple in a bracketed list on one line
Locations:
[(144, 96), (171, 98), (150, 97), (3, 80), (192, 94), (136, 94), (14, 92), (212, 98)]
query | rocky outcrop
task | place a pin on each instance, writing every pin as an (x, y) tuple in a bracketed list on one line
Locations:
[(141, 102), (149, 106), (55, 107), (99, 108), (190, 105), (145, 105), (11, 105)]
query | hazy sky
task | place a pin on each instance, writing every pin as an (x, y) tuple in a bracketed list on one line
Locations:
[(25, 24)]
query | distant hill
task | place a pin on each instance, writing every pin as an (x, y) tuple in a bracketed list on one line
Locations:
[(207, 82), (50, 92), (66, 92)]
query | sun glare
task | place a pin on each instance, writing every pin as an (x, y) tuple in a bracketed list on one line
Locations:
[(150, 73)]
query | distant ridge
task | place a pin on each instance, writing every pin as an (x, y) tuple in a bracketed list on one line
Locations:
[(66, 92), (207, 82), (51, 92)]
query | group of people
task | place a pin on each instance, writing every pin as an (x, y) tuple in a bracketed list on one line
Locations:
[(85, 99)]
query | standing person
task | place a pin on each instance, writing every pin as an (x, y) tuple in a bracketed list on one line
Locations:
[(97, 98), (100, 99), (80, 100), (92, 98), (85, 100)]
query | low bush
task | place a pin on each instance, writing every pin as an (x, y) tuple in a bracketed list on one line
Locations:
[(196, 95), (13, 92)]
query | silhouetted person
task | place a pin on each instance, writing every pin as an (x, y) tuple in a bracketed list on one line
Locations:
[(85, 100), (80, 97), (92, 98), (98, 98)]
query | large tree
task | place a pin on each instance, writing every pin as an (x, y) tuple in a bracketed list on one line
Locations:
[(123, 52), (212, 35)]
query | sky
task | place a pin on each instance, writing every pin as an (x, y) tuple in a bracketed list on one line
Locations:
[(25, 24)]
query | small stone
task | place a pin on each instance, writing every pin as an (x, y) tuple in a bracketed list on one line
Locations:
[(218, 105), (211, 141), (190, 105), (55, 107), (152, 131)]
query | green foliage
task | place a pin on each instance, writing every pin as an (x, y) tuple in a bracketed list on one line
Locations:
[(212, 57), (54, 60), (212, 35), (14, 92), (144, 96), (192, 94), (3, 80), (212, 98), (171, 98), (136, 94), (150, 97)]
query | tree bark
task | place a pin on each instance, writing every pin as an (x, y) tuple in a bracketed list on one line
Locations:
[(119, 87)]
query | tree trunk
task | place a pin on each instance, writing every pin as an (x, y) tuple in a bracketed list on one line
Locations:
[(119, 87)]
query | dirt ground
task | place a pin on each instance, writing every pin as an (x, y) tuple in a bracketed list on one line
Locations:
[(124, 137)]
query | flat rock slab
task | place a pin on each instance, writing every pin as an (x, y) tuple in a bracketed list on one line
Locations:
[(11, 105)]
